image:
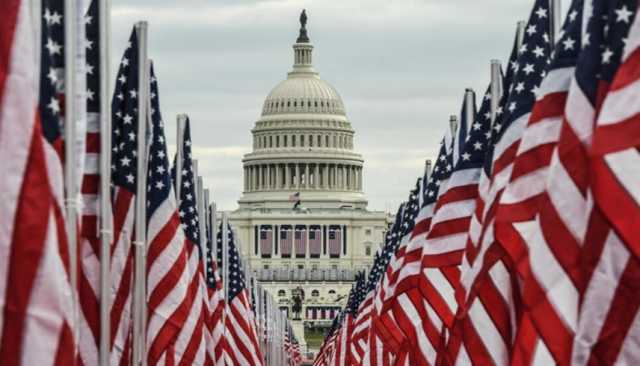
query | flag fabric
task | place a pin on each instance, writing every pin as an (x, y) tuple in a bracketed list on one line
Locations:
[(190, 345), (300, 239), (548, 329), (342, 354), (89, 244), (125, 121), (607, 330), (37, 321), (315, 241), (334, 241), (266, 240), (214, 324), (295, 198), (286, 241), (241, 337), (168, 278)]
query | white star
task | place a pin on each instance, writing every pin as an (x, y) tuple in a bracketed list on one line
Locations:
[(523, 48), (623, 14), (120, 96), (497, 127), (159, 185), (535, 90), (541, 13), (519, 88), (53, 47), (466, 156), (125, 161), (512, 106), (52, 75), (477, 145), (528, 69), (122, 79), (89, 69), (531, 29), (185, 172), (160, 170), (606, 56), (127, 119), (52, 18), (477, 126), (586, 39), (54, 105), (88, 19), (539, 51), (161, 154), (132, 136), (90, 94), (160, 139), (443, 158), (88, 44), (186, 184), (125, 62), (129, 178), (568, 43), (181, 213), (188, 196), (133, 93), (573, 15)]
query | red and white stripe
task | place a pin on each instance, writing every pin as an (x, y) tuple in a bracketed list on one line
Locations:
[(609, 325), (240, 336), (342, 354), (361, 329), (35, 292)]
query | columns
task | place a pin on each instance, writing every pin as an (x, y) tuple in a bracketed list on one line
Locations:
[(268, 186), (278, 177), (297, 181), (360, 179), (287, 174), (325, 176), (306, 175), (316, 177)]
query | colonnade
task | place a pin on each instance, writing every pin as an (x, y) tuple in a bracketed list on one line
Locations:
[(302, 176)]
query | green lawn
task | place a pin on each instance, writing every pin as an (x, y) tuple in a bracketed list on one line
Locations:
[(314, 338)]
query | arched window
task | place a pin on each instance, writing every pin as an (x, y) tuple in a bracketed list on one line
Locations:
[(332, 292), (326, 141), (282, 293), (293, 140), (270, 141), (278, 141), (310, 141), (319, 138), (315, 293), (301, 140)]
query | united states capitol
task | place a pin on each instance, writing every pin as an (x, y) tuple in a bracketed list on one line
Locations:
[(302, 219)]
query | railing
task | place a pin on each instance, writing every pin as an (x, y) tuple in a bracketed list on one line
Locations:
[(312, 275)]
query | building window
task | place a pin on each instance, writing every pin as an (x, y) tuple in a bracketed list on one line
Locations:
[(367, 232), (266, 266), (315, 293), (367, 250), (277, 141), (293, 140), (282, 293), (310, 141), (332, 292), (300, 266), (270, 141), (319, 140), (301, 140)]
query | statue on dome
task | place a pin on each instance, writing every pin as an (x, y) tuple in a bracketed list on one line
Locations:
[(303, 38)]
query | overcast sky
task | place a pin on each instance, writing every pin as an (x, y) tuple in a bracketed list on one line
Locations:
[(400, 66)]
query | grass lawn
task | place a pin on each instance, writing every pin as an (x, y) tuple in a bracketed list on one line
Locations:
[(314, 338)]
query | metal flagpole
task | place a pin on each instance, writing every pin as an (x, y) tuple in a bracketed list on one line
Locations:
[(70, 173), (469, 107), (453, 124), (182, 120), (202, 217), (139, 298), (496, 89), (555, 8), (106, 219), (225, 270), (520, 33)]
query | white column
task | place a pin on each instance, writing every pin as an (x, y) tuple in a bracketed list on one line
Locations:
[(316, 177), (287, 176), (306, 175), (268, 185), (297, 182)]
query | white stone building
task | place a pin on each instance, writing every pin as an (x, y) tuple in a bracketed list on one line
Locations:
[(303, 147)]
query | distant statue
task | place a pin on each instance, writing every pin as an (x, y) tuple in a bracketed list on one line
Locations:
[(303, 18), (302, 37), (296, 308)]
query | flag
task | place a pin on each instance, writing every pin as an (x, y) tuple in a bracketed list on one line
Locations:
[(190, 346), (123, 177), (296, 199), (342, 354), (335, 241), (300, 240), (90, 243), (241, 338), (548, 328), (37, 320), (315, 241), (286, 241), (490, 309), (215, 326), (266, 240)]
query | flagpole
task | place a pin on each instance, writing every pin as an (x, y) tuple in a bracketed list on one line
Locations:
[(225, 271), (139, 297), (469, 107), (520, 33), (202, 217), (106, 219), (496, 89), (453, 124), (555, 8), (70, 173), (181, 122)]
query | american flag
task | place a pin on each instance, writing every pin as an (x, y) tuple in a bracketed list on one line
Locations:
[(342, 354), (215, 326), (491, 341), (335, 241), (266, 240), (515, 225), (607, 330), (315, 241), (300, 240), (123, 176), (167, 280), (34, 247), (189, 344), (241, 338), (328, 345), (286, 240), (89, 268)]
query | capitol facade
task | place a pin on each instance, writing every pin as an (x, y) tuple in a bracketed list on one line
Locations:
[(303, 151)]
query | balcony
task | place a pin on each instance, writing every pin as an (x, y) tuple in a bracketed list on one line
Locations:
[(306, 275)]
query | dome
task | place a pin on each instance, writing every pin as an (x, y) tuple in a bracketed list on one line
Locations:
[(303, 94)]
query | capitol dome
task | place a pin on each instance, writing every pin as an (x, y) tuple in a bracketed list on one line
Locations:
[(303, 143)]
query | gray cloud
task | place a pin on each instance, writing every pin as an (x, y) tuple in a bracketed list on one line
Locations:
[(401, 67)]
